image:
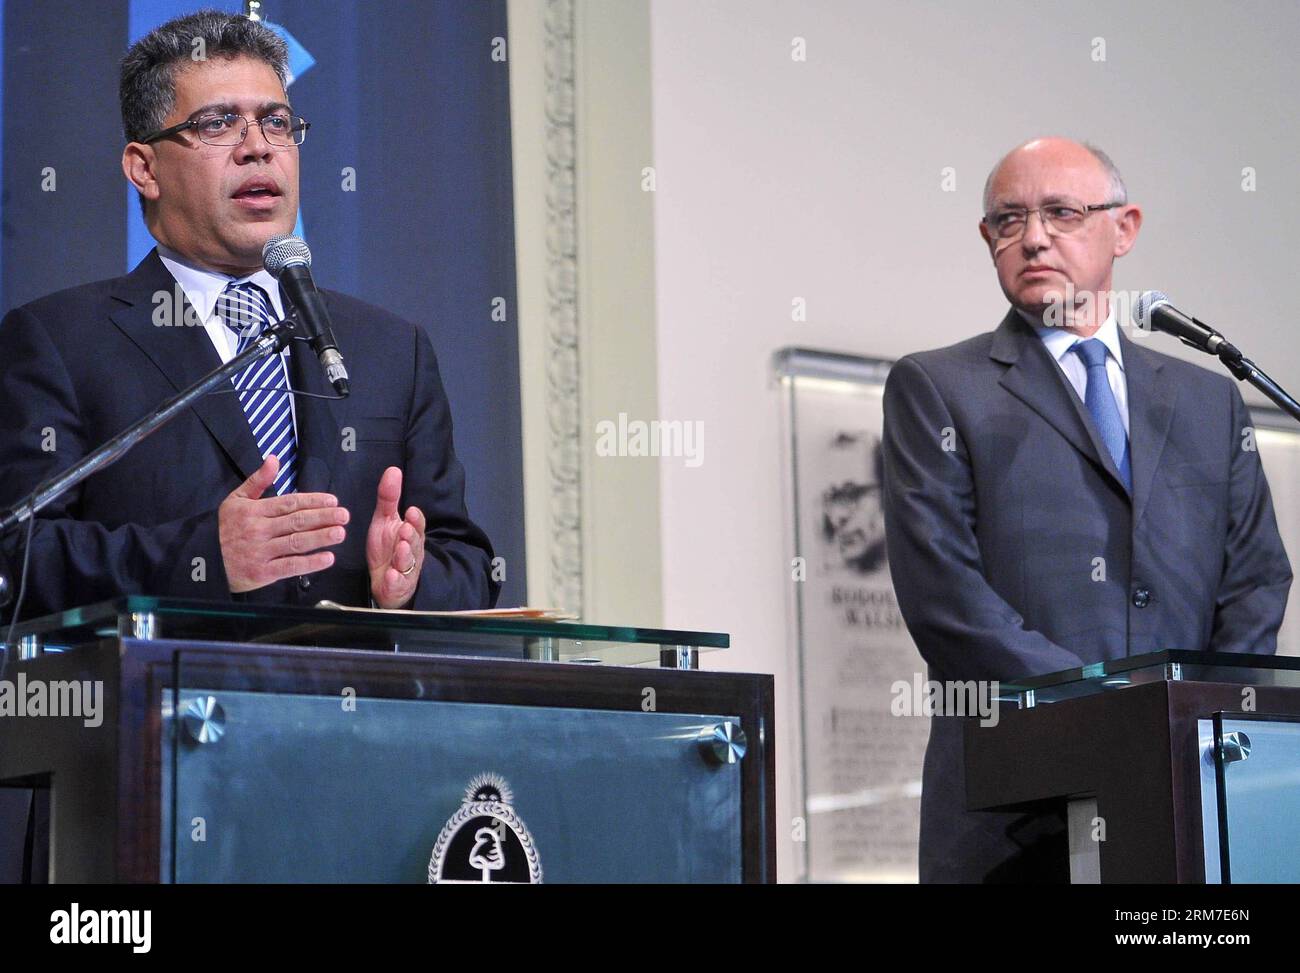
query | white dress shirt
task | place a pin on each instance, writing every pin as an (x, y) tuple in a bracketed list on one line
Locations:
[(1059, 342), (203, 287)]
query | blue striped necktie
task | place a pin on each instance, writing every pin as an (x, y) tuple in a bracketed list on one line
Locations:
[(263, 385), (1100, 400)]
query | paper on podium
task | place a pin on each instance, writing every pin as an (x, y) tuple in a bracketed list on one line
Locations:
[(538, 614)]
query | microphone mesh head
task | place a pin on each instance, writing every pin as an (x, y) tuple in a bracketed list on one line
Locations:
[(283, 250), (1142, 310)]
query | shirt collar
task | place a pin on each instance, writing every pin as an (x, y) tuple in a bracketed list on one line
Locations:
[(1059, 341), (202, 287)]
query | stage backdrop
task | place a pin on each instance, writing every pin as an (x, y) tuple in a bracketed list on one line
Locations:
[(406, 186)]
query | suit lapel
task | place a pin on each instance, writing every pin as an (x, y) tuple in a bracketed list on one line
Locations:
[(183, 354), (1152, 401), (1037, 380)]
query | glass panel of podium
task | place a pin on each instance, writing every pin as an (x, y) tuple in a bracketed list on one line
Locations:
[(1256, 783), (1136, 670), (440, 791), (495, 636)]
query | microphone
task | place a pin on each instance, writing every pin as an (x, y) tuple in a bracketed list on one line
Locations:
[(288, 260), (1153, 312)]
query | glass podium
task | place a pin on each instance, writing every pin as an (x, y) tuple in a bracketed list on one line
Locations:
[(143, 617), (1136, 670), (206, 742), (1189, 760)]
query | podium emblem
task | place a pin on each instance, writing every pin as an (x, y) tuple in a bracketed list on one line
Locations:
[(485, 841)]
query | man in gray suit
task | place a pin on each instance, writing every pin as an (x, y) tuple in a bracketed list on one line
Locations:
[(1057, 494)]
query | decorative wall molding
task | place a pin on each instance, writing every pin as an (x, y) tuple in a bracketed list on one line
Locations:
[(581, 127), (563, 345)]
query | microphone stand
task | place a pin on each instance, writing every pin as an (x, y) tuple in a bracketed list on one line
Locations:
[(272, 340), (1245, 370)]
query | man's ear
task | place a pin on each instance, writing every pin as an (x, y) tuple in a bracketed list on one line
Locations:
[(1127, 224), (988, 238), (138, 165)]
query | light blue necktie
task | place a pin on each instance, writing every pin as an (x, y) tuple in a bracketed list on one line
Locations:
[(263, 385), (1100, 400)]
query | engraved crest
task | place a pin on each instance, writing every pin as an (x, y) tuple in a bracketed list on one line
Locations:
[(485, 841)]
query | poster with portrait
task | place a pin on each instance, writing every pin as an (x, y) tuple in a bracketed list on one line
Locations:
[(1278, 438), (859, 781)]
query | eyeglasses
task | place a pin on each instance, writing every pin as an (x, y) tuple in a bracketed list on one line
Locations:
[(231, 129), (1063, 216)]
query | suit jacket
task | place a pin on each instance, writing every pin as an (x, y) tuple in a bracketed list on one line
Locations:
[(82, 364), (1016, 550)]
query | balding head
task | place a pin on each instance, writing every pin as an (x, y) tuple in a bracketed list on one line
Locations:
[(1053, 147)]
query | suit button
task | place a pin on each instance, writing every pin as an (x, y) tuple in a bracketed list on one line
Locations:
[(1141, 597), (304, 582)]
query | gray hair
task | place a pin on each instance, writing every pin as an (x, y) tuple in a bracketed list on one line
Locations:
[(147, 90), (1118, 191)]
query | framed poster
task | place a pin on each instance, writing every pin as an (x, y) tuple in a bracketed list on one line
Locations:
[(858, 783), (1278, 438)]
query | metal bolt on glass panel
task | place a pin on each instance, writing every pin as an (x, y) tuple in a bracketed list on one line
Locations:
[(724, 743), (1236, 746), (204, 720)]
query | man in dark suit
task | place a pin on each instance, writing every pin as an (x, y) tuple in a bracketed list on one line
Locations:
[(252, 495), (1057, 494)]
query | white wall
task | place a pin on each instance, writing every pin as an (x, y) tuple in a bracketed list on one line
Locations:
[(778, 179)]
